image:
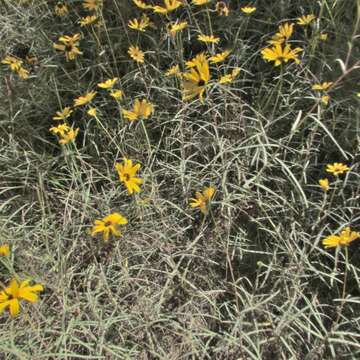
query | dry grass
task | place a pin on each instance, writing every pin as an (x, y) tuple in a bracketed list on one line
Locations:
[(249, 281)]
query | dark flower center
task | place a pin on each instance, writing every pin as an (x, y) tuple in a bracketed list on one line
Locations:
[(127, 177), (201, 82), (108, 223), (68, 47)]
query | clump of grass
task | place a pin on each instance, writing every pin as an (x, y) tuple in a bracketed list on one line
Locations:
[(205, 128)]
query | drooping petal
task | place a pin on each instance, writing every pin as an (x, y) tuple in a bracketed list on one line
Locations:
[(14, 307)]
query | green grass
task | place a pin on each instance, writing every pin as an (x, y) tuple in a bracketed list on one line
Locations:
[(251, 280)]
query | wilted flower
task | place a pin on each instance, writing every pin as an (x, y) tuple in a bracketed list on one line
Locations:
[(109, 225), (61, 9), (127, 172), (344, 239), (141, 109), (306, 19), (31, 59), (278, 54), (63, 115), (324, 183), (222, 9), (337, 168), (203, 199), (136, 54), (10, 297)]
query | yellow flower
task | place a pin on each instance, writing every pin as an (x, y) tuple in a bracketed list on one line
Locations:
[(87, 20), (62, 115), (222, 9), (248, 9), (82, 100), (170, 5), (69, 46), (323, 36), (344, 239), (141, 109), (220, 57), (337, 168), (192, 63), (141, 24), (13, 62), (173, 71), (5, 250), (10, 297), (65, 132), (92, 4), (116, 94), (202, 200), (127, 172), (280, 55), (23, 73), (200, 2), (136, 54), (230, 77), (108, 84), (92, 111), (66, 39), (208, 38), (15, 65), (195, 81), (324, 86), (61, 9), (177, 26), (306, 19), (325, 99), (142, 5), (324, 183), (284, 34), (109, 225)]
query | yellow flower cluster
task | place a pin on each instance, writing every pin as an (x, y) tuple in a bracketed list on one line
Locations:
[(16, 65), (281, 52), (335, 169)]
